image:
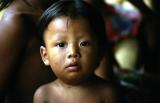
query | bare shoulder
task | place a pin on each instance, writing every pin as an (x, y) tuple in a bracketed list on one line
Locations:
[(109, 90), (12, 22), (11, 14), (111, 95), (12, 27), (42, 93)]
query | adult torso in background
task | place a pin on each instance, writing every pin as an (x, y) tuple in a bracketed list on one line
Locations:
[(21, 63)]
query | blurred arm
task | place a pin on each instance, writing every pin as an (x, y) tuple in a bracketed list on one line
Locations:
[(12, 40)]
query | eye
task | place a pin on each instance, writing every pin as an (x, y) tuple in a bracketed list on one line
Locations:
[(84, 43), (60, 45)]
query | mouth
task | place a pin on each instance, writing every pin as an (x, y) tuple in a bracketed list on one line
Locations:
[(73, 67)]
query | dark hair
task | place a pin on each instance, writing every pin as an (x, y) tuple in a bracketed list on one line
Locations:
[(74, 9), (4, 3)]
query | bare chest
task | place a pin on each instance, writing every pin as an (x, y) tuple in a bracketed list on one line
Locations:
[(78, 98)]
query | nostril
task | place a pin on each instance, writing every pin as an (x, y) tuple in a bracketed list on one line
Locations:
[(77, 55)]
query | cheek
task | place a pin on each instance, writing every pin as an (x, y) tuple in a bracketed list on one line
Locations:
[(56, 58), (56, 64), (90, 55)]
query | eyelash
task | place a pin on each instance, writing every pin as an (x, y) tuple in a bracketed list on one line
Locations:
[(82, 44), (60, 45)]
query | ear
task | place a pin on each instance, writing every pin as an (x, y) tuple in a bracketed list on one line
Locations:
[(44, 55)]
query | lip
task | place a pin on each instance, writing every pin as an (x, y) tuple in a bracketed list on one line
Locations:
[(73, 67)]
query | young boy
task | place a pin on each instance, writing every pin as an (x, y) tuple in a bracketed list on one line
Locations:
[(73, 44)]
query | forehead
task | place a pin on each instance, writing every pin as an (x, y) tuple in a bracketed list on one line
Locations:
[(68, 24), (65, 26)]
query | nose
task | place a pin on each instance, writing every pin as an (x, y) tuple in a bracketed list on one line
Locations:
[(73, 51)]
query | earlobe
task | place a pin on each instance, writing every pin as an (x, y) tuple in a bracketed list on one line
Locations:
[(44, 55)]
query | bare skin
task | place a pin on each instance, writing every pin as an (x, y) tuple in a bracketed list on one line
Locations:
[(72, 53), (21, 69), (59, 92)]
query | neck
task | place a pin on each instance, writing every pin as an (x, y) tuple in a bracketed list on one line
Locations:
[(81, 84)]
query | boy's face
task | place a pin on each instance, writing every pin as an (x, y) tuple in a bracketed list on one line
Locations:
[(70, 49)]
